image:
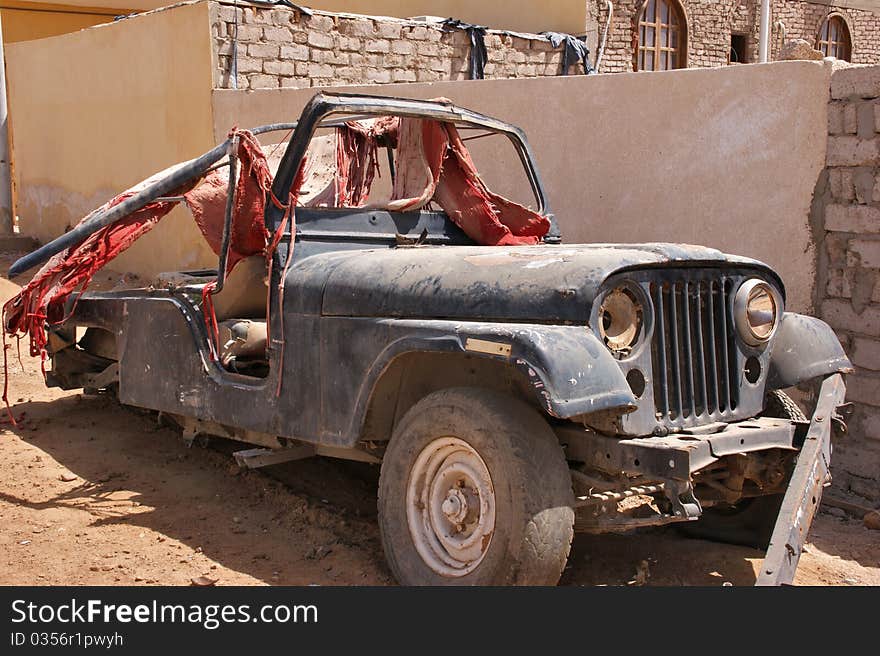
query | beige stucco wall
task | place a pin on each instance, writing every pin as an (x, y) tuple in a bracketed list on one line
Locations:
[(723, 157), (96, 111)]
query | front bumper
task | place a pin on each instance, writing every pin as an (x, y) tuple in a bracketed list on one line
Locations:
[(811, 473), (680, 455), (666, 465)]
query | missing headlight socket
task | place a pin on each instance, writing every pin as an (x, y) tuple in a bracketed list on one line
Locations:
[(620, 320)]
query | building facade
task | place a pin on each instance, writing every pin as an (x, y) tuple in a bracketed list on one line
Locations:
[(662, 34)]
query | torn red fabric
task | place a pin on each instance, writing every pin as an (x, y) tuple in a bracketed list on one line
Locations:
[(43, 299), (207, 202), (434, 165), (486, 217), (249, 235), (357, 164)]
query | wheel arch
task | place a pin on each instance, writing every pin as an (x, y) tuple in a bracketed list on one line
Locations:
[(805, 348), (404, 382), (562, 371)]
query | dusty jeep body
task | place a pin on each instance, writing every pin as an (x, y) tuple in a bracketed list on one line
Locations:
[(382, 318)]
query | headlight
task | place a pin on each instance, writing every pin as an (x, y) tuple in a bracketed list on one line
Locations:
[(757, 311), (620, 321)]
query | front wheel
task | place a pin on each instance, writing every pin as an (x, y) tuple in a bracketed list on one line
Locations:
[(475, 490)]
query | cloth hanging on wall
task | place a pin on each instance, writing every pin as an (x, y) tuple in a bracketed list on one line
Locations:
[(575, 51), (477, 35)]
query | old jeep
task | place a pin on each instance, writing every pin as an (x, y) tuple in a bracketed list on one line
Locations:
[(511, 394)]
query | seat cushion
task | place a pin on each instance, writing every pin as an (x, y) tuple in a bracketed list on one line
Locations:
[(242, 339)]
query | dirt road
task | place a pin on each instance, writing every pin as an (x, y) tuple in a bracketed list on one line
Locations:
[(93, 493)]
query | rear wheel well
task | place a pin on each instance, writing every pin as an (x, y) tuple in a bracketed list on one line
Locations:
[(412, 376)]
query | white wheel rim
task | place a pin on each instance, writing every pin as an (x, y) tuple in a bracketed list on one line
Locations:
[(450, 507)]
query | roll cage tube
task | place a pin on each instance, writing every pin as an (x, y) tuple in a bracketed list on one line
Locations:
[(313, 115), (323, 105), (186, 172)]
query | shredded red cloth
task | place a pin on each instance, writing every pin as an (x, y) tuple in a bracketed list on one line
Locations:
[(486, 217), (207, 202), (433, 164), (357, 164), (42, 300), (249, 235)]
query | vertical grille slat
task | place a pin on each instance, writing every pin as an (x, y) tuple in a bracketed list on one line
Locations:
[(701, 348), (694, 348), (732, 385), (674, 351), (688, 346), (713, 344), (722, 338), (661, 377)]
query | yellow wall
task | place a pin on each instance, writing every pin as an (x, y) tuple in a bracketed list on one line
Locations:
[(523, 15), (96, 111), (23, 21)]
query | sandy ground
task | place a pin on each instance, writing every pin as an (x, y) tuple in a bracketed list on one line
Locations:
[(92, 493)]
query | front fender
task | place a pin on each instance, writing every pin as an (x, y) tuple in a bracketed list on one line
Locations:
[(804, 348), (568, 368)]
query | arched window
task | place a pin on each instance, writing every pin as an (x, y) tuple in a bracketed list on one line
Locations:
[(661, 37), (834, 39)]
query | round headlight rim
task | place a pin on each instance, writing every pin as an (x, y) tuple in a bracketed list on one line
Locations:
[(641, 301), (741, 305)]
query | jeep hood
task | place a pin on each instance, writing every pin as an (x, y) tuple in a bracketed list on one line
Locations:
[(547, 283)]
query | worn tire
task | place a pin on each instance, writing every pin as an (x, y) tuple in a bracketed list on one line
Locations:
[(530, 481), (749, 522), (779, 404)]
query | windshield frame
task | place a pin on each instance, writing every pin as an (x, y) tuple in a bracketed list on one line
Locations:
[(329, 110)]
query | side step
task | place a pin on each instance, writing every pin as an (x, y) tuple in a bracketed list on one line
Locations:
[(255, 458)]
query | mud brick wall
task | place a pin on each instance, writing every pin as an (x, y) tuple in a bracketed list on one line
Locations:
[(710, 24), (281, 47), (847, 214)]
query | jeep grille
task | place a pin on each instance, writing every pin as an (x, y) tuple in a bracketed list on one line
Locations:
[(693, 349)]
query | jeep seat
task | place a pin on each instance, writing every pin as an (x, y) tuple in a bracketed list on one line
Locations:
[(245, 292), (241, 340)]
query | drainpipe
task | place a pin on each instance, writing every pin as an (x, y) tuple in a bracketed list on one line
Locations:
[(764, 39), (601, 49), (5, 178)]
